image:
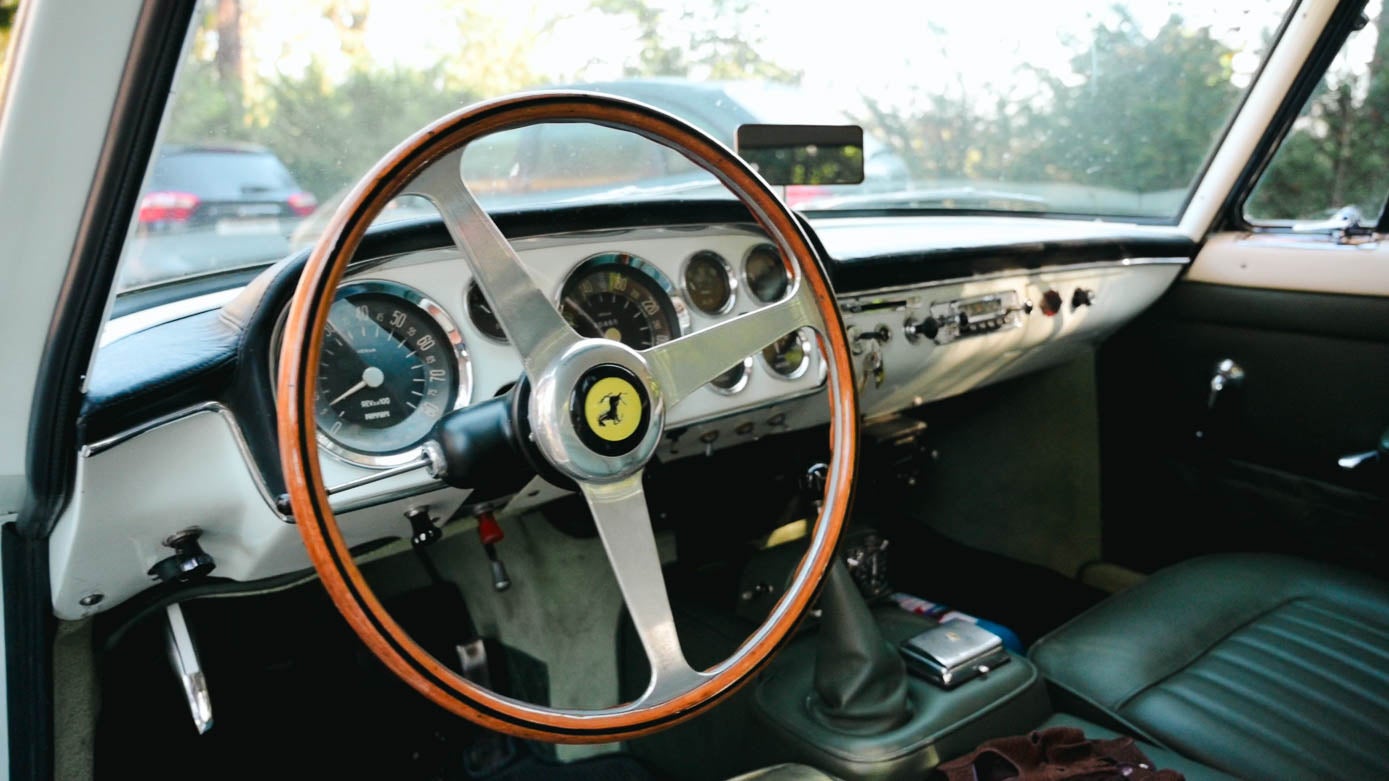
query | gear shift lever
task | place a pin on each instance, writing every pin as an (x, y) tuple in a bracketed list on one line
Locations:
[(860, 680)]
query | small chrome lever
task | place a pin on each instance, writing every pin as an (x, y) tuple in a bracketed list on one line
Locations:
[(1356, 460), (183, 654), (1228, 376)]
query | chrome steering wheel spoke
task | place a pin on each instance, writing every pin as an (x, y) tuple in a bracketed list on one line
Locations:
[(624, 524), (525, 313), (682, 365)]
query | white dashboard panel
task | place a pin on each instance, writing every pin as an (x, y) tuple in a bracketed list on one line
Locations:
[(192, 469), (915, 372)]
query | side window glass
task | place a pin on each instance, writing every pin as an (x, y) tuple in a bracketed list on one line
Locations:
[(1334, 163)]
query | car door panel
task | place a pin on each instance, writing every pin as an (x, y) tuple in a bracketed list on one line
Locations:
[(1259, 471)]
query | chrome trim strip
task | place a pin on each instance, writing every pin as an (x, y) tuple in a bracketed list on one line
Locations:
[(1022, 272), (101, 446)]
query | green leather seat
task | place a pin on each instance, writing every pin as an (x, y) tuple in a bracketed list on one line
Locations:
[(1260, 666)]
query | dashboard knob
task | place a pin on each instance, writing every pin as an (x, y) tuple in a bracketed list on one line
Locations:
[(1051, 303), (927, 328), (189, 561), (1082, 297)]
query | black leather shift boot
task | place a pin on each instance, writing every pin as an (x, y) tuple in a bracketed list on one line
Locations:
[(860, 680)]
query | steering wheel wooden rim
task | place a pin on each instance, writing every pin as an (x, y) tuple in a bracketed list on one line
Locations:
[(299, 358)]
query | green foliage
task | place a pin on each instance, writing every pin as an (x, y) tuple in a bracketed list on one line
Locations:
[(1143, 117), (360, 119), (1338, 151), (1135, 116), (327, 134)]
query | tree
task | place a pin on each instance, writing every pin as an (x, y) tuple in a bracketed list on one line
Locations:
[(700, 42), (1337, 151), (1132, 115)]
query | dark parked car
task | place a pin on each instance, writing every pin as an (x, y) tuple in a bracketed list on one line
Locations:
[(214, 206), (230, 188)]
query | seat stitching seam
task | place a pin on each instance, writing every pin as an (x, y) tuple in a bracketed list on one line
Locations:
[(1133, 693), (1204, 703), (1294, 719), (1297, 662)]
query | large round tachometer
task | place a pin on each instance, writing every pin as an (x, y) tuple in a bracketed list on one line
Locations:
[(392, 364), (621, 297)]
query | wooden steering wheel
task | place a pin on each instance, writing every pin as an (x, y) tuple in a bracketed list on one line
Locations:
[(570, 376)]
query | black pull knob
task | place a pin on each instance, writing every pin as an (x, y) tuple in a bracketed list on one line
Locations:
[(1082, 297), (422, 528), (188, 562), (927, 328)]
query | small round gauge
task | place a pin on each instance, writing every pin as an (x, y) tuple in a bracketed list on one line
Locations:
[(622, 297), (392, 364), (789, 356), (733, 380), (709, 283), (765, 273), (481, 314)]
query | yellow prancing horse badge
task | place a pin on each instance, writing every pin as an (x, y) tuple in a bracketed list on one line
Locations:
[(612, 409)]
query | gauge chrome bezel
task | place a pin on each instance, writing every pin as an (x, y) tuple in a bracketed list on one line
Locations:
[(468, 313), (728, 274), (636, 262), (441, 317), (807, 348), (786, 274), (738, 386)]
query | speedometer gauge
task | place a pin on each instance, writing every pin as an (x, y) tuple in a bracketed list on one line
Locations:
[(392, 364), (622, 297)]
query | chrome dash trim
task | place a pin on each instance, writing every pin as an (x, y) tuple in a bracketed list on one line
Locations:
[(227, 416), (845, 297)]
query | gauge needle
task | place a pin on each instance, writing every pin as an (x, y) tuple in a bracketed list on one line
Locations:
[(372, 377), (578, 310)]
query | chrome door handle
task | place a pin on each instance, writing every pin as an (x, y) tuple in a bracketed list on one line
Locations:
[(1228, 376)]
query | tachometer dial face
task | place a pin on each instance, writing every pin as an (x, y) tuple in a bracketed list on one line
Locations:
[(622, 297), (765, 273), (789, 356), (391, 366), (708, 283), (481, 314)]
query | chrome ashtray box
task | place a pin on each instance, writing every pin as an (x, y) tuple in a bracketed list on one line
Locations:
[(952, 653)]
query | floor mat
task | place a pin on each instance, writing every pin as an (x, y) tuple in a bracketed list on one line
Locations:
[(1029, 599)]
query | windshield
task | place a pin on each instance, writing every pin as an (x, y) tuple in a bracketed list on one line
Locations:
[(1102, 109)]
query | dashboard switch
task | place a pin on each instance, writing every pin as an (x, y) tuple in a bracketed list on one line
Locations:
[(927, 328), (1082, 297), (1051, 303), (489, 533), (189, 561)]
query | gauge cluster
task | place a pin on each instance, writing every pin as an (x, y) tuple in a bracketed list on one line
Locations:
[(416, 337)]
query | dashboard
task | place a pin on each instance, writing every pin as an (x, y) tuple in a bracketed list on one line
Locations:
[(179, 422)]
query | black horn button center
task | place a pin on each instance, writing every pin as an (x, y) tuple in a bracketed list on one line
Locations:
[(610, 410)]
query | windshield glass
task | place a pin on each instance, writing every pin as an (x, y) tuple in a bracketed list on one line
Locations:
[(1101, 109)]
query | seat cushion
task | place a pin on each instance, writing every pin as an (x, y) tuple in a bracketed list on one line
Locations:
[(1262, 666)]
